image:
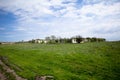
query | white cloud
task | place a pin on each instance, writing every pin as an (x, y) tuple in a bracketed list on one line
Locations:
[(101, 9), (37, 18)]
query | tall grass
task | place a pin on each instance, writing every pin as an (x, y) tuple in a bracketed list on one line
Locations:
[(88, 61)]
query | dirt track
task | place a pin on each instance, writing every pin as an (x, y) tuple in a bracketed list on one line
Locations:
[(2, 76), (10, 71)]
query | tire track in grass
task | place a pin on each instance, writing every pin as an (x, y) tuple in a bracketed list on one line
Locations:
[(10, 71)]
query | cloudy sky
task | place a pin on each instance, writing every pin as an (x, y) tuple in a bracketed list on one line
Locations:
[(31, 19)]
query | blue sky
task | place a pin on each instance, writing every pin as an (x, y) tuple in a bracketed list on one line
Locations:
[(31, 19)]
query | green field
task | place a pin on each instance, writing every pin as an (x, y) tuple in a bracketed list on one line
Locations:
[(88, 61)]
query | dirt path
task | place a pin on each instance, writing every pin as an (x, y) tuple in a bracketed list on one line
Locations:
[(8, 70), (2, 76)]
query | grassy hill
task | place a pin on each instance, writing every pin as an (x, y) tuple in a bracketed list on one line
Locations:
[(88, 61)]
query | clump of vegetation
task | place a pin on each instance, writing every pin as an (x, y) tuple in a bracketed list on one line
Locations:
[(88, 61)]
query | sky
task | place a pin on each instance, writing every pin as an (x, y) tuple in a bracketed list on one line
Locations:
[(33, 19)]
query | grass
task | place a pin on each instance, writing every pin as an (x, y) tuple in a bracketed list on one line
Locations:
[(5, 74), (88, 61)]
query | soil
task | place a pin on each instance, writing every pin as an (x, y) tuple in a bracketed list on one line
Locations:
[(2, 76), (10, 71)]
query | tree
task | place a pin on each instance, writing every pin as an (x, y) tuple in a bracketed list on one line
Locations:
[(33, 41), (68, 40), (53, 37), (88, 39), (93, 39), (79, 38), (101, 39), (47, 39)]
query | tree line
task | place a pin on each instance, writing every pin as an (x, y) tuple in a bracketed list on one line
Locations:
[(77, 39)]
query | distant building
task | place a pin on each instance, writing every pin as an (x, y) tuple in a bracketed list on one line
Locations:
[(7, 42), (74, 40), (46, 41), (38, 41)]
